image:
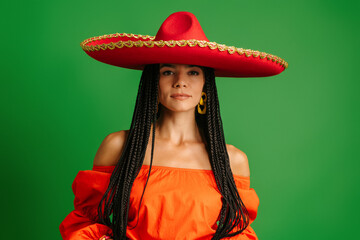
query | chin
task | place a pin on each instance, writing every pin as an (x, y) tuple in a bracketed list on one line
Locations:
[(184, 109)]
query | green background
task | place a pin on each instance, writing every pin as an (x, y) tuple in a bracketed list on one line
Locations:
[(299, 129)]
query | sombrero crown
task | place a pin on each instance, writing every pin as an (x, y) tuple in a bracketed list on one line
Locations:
[(181, 40)]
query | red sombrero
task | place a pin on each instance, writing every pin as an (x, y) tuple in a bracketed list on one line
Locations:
[(181, 40)]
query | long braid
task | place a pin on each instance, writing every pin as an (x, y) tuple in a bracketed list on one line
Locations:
[(233, 212), (116, 198)]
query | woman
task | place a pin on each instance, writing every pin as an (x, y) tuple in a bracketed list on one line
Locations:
[(171, 175)]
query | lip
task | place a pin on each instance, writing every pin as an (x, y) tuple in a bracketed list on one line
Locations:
[(180, 96), (183, 95)]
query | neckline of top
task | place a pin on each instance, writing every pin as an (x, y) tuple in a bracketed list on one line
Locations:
[(143, 167)]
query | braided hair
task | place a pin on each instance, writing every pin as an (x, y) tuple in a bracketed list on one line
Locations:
[(114, 205)]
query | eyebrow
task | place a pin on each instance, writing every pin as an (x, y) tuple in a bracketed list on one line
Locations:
[(173, 66)]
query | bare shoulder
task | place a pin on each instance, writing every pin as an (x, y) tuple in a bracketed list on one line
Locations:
[(238, 161), (111, 148)]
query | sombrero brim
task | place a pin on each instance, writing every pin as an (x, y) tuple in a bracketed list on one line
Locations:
[(135, 51)]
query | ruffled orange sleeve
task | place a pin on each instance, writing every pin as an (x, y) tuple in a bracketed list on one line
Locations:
[(80, 224)]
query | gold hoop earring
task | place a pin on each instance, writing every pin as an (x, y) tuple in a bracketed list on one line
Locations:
[(201, 107)]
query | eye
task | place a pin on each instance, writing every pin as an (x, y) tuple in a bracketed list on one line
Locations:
[(167, 73), (194, 73)]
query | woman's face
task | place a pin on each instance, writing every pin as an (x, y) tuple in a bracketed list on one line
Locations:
[(180, 86)]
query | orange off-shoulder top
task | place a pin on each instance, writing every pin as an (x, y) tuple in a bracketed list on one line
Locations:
[(178, 203)]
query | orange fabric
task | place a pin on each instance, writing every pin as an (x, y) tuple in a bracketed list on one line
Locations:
[(178, 203)]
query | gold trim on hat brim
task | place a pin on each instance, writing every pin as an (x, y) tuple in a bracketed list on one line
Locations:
[(148, 41)]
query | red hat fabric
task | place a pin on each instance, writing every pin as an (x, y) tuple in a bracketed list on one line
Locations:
[(181, 40)]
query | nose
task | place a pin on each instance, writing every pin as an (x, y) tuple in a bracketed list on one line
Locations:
[(180, 80)]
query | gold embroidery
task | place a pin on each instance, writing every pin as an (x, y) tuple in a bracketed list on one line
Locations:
[(181, 43), (171, 43), (148, 41)]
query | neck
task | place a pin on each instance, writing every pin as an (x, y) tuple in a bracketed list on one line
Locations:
[(177, 127)]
